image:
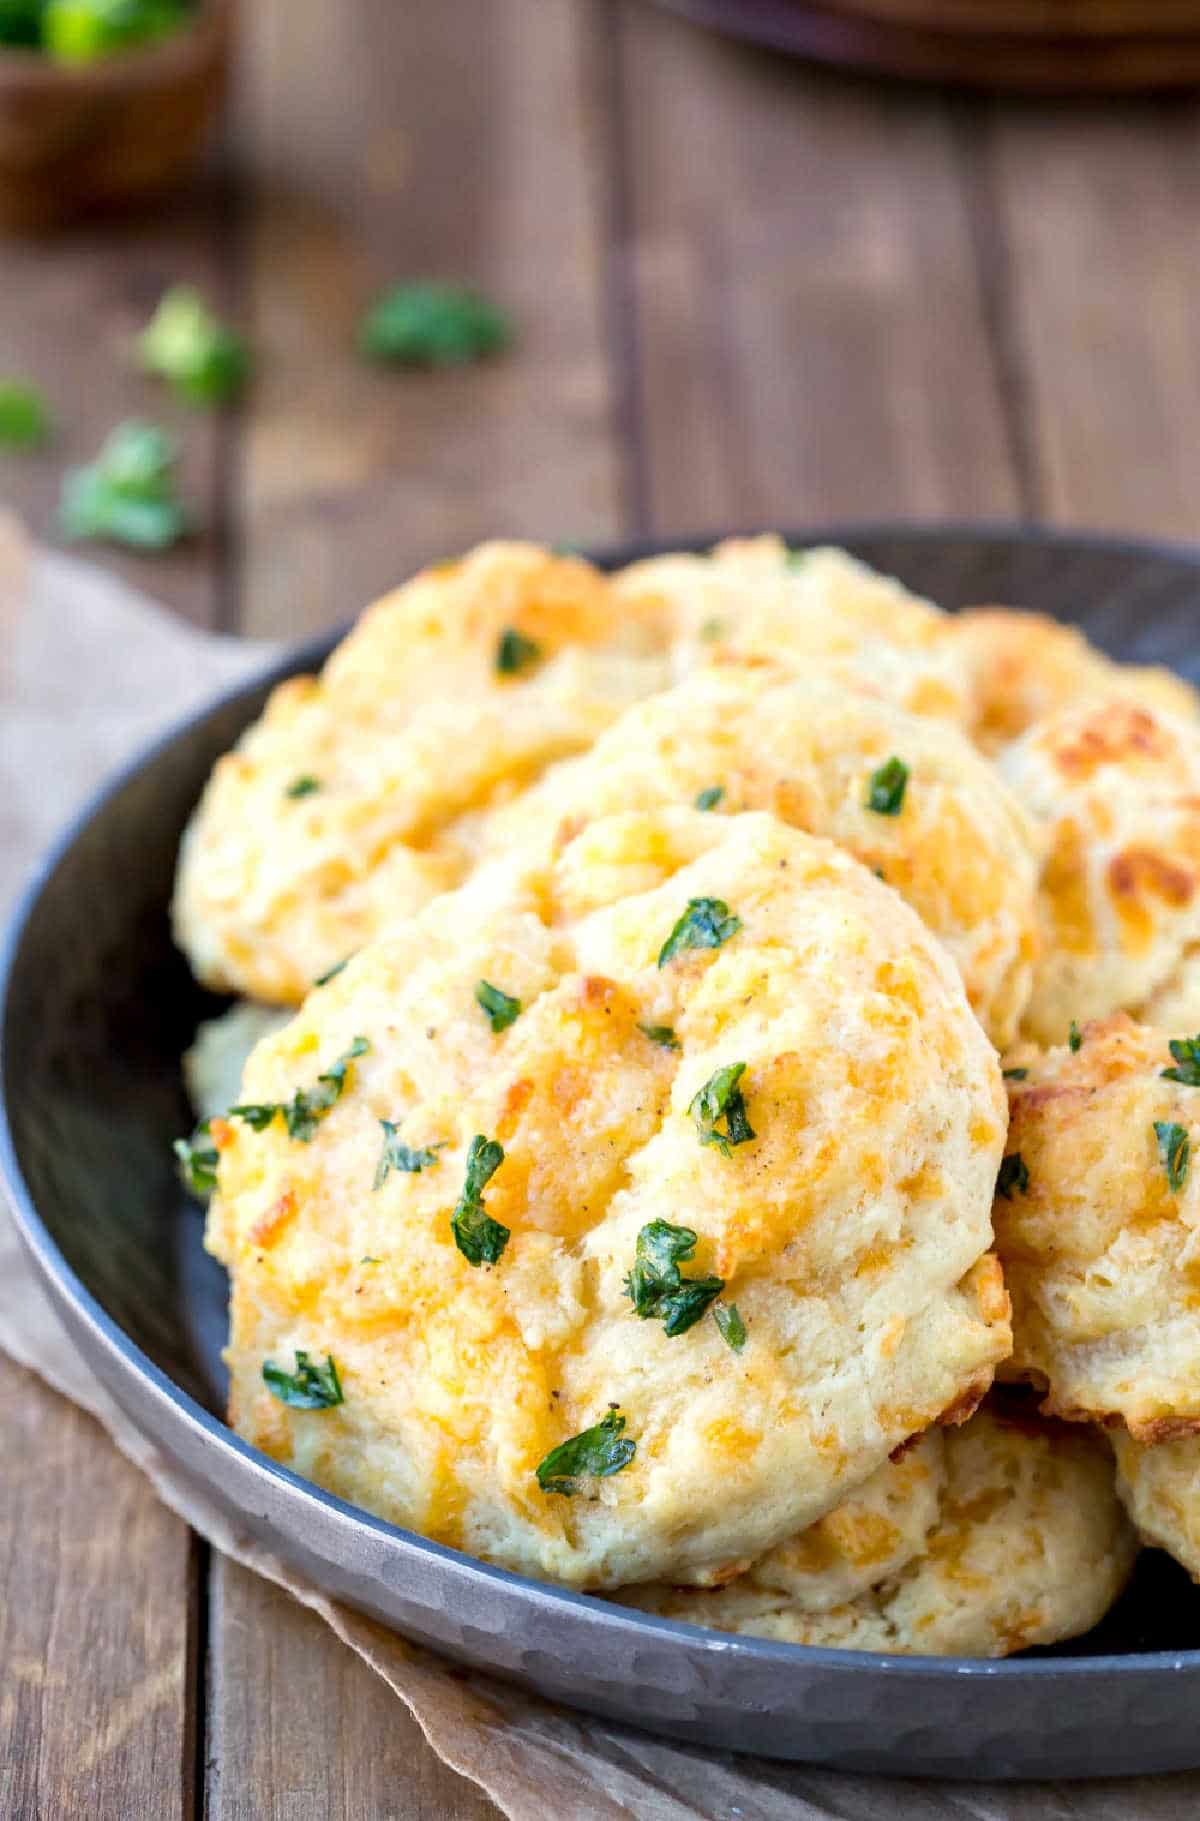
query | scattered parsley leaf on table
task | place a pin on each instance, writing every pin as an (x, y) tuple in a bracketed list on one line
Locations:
[(128, 494), (206, 362), (428, 324), (24, 419)]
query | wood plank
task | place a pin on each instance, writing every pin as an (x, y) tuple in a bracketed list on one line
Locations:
[(70, 307), (812, 332), (299, 1727), (94, 1623), (1097, 213), (476, 156)]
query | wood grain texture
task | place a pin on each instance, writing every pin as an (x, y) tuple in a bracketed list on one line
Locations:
[(477, 155), (95, 1621), (1095, 216), (70, 308), (810, 325), (299, 1729)]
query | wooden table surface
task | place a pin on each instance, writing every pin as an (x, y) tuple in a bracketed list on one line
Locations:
[(748, 293)]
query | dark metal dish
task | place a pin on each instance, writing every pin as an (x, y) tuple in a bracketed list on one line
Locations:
[(96, 1007)]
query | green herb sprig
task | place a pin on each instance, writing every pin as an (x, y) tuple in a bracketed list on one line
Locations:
[(1185, 1052), (721, 1098), (656, 1286), (309, 1387), (184, 343), (128, 494), (594, 1454), (706, 923), (428, 324), (399, 1156), (499, 1008), (1175, 1150), (479, 1238), (886, 788)]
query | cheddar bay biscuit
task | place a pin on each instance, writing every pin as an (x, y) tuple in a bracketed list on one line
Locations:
[(908, 797), (1098, 1227), (708, 1106), (356, 797), (976, 1543), (338, 808), (811, 607), (1160, 1485), (1025, 666), (1117, 789)]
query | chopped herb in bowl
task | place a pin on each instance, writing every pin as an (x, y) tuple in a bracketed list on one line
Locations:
[(80, 31)]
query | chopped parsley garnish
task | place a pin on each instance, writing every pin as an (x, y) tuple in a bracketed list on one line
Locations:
[(308, 1106), (185, 343), (1175, 1149), (478, 1237), (128, 493), (1014, 1074), (501, 1009), (1013, 1175), (706, 923), (1074, 1037), (592, 1455), (886, 788), (24, 419), (514, 652), (398, 1156), (708, 799), (662, 1034), (713, 628), (331, 973), (1185, 1051), (309, 1387), (257, 1116), (304, 786), (428, 324), (733, 1328), (198, 1159), (721, 1098), (656, 1286)]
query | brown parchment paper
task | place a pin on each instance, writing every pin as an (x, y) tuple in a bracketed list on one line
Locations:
[(89, 670)]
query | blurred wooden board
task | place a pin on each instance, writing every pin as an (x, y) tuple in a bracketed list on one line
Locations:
[(898, 41)]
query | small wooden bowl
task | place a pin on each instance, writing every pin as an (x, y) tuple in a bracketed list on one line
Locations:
[(113, 132)]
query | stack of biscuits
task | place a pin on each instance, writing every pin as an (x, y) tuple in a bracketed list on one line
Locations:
[(707, 1113)]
